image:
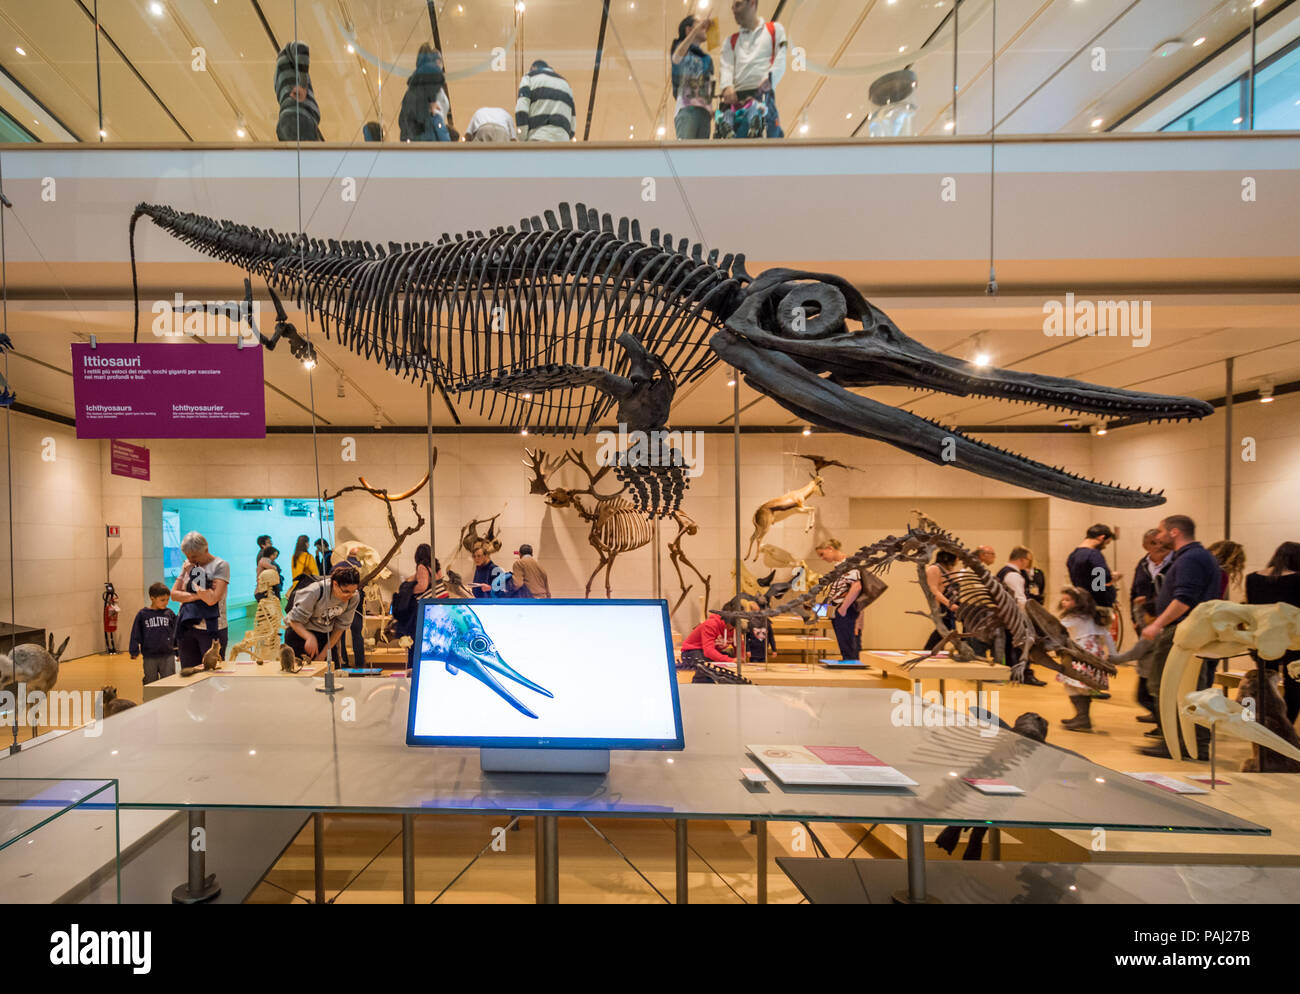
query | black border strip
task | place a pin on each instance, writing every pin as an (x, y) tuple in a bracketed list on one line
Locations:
[(36, 100), (131, 65), (595, 70), (266, 26)]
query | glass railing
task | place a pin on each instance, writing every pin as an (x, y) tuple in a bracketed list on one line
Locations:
[(639, 70)]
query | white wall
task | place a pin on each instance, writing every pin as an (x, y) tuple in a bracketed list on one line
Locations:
[(58, 556)]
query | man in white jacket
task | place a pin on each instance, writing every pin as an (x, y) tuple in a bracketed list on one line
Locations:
[(753, 62)]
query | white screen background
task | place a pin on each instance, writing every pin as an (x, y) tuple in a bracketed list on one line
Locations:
[(606, 664)]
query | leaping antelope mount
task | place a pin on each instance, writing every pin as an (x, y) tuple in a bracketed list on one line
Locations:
[(616, 525), (780, 508)]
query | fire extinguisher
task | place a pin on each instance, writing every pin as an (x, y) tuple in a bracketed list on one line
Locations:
[(111, 611)]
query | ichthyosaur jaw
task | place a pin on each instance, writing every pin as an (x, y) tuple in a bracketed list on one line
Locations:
[(458, 641)]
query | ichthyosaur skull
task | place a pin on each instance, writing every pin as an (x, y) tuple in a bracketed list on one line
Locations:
[(556, 323), (458, 641)]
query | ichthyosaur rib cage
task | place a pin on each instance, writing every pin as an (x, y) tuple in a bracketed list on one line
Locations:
[(553, 291), (516, 315)]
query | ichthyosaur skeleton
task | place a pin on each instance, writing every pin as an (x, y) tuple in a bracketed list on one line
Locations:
[(458, 641), (552, 324)]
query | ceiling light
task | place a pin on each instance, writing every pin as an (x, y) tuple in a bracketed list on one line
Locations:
[(1168, 48), (460, 9), (803, 129), (981, 357), (523, 431), (527, 396), (1236, 120), (807, 431), (1199, 42), (731, 382), (902, 48), (661, 131), (240, 133), (1098, 429), (1266, 392), (103, 133), (1097, 122), (519, 7), (351, 50), (156, 9), (19, 50), (949, 125), (309, 364), (1257, 3), (848, 117)]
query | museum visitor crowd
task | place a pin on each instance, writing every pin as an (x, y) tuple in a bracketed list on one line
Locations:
[(324, 612), (752, 57)]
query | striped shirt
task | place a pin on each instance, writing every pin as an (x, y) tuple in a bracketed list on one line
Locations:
[(544, 111)]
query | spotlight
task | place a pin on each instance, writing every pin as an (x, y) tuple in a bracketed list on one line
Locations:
[(1098, 429), (731, 383), (527, 396), (309, 364), (523, 431), (19, 50), (1266, 392), (981, 356), (807, 430), (156, 9)]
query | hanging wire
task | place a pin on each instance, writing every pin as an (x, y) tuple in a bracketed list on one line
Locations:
[(992, 288), (9, 437)]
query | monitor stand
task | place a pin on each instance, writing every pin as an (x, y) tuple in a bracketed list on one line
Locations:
[(544, 760)]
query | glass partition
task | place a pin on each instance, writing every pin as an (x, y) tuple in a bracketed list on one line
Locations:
[(59, 842), (201, 71)]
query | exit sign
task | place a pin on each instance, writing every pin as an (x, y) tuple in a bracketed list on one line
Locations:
[(114, 531)]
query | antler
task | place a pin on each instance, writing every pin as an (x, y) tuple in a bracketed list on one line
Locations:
[(577, 458), (542, 466)]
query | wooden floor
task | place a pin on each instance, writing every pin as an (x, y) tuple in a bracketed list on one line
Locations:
[(363, 852)]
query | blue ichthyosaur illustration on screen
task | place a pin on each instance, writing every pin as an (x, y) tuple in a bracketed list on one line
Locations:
[(455, 637)]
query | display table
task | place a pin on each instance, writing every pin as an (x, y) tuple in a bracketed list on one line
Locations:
[(1270, 799), (872, 881), (231, 742), (235, 668), (884, 662)]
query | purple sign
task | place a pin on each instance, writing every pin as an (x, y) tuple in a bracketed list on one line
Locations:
[(168, 391), (128, 460)]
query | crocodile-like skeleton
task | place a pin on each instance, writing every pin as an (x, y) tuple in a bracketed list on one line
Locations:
[(552, 324), (985, 607)]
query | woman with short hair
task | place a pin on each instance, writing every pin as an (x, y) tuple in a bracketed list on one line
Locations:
[(200, 589)]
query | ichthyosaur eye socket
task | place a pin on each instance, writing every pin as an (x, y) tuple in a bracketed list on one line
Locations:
[(810, 310), (479, 643)]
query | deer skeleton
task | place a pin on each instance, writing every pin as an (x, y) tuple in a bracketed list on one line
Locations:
[(617, 526)]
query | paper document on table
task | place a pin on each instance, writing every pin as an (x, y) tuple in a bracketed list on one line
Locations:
[(1168, 783), (844, 766)]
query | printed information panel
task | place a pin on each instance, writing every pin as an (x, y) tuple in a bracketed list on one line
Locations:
[(168, 391), (128, 460)]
